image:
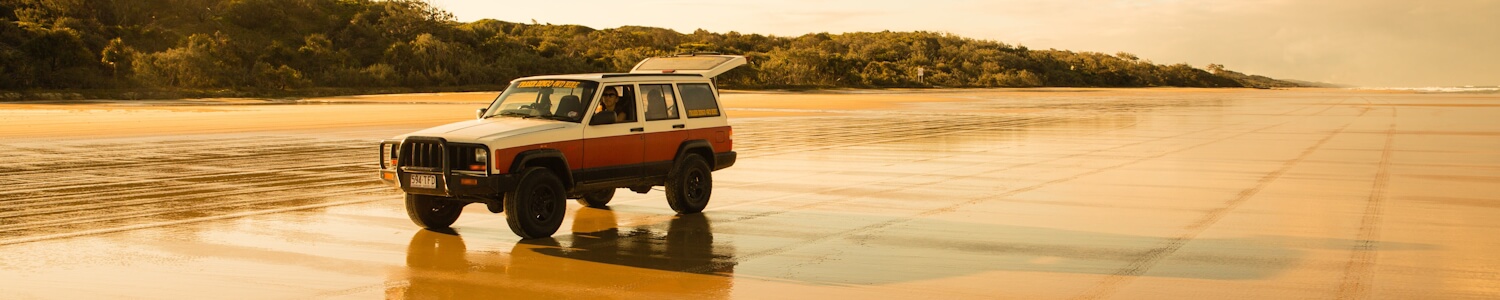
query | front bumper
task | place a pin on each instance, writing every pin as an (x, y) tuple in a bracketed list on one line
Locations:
[(453, 185), (435, 163)]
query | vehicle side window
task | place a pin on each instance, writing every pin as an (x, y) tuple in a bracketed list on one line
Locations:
[(616, 105), (661, 103), (698, 99)]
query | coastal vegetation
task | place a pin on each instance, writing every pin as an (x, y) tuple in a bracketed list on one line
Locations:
[(189, 48)]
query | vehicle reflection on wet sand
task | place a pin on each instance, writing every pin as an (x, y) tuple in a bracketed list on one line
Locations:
[(598, 259)]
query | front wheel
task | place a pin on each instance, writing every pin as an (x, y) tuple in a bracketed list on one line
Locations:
[(432, 212), (689, 184), (535, 208)]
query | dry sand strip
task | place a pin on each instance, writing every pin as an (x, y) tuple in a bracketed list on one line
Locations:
[(127, 118)]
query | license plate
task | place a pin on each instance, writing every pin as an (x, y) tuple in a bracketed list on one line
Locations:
[(424, 181)]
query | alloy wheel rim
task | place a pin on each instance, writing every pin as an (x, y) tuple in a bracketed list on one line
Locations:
[(541, 200), (695, 188), (437, 206)]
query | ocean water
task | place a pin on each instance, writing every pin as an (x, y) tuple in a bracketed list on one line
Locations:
[(1438, 89)]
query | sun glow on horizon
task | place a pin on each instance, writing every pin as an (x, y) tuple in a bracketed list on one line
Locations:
[(1369, 43)]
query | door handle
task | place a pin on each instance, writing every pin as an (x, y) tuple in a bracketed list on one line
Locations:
[(679, 126), (638, 129)]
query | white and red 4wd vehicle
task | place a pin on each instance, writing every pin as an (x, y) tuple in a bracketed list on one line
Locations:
[(550, 138)]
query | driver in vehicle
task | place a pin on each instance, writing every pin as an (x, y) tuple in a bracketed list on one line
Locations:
[(608, 114)]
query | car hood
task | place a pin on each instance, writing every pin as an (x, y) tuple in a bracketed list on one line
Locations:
[(488, 129)]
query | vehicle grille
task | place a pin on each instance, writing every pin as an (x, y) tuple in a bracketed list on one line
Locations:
[(422, 155), (462, 156)]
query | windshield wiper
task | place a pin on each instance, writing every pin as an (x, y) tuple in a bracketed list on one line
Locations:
[(528, 116), (513, 114), (559, 118)]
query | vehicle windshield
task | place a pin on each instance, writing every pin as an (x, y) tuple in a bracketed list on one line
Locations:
[(562, 100)]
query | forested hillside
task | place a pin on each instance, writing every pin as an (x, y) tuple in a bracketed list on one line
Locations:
[(274, 46)]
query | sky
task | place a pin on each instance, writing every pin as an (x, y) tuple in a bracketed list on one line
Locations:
[(1373, 43)]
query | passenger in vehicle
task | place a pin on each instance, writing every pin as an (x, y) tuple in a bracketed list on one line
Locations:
[(656, 105)]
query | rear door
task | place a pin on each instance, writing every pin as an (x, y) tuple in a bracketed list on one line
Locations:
[(665, 128)]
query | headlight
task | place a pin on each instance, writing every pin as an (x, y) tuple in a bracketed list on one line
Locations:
[(389, 151), (481, 160), (395, 154)]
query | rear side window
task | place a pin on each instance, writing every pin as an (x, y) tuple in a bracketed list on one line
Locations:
[(698, 99), (661, 102)]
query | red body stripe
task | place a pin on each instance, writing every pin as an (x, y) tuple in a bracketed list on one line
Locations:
[(617, 150), (610, 151), (572, 150)]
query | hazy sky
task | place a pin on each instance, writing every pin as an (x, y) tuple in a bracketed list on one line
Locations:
[(1360, 42)]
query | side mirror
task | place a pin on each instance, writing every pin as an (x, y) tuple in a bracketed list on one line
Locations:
[(479, 114)]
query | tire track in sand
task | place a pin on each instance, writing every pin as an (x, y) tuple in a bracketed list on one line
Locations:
[(1357, 276), (1148, 260)]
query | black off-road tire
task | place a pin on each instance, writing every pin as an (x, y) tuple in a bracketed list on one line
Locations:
[(597, 199), (433, 212), (536, 207), (689, 185)]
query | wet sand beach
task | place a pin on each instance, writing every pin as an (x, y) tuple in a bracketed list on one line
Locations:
[(1054, 193)]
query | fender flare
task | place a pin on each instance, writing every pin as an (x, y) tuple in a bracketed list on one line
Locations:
[(691, 145), (526, 157)]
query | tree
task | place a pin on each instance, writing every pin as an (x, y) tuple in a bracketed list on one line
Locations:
[(292, 44), (1216, 68), (205, 61), (58, 58), (280, 78), (117, 57)]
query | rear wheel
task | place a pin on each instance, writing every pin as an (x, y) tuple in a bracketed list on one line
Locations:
[(597, 199), (535, 208), (432, 212), (689, 185)]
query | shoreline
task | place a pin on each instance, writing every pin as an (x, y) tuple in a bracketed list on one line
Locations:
[(70, 119), (58, 97)]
